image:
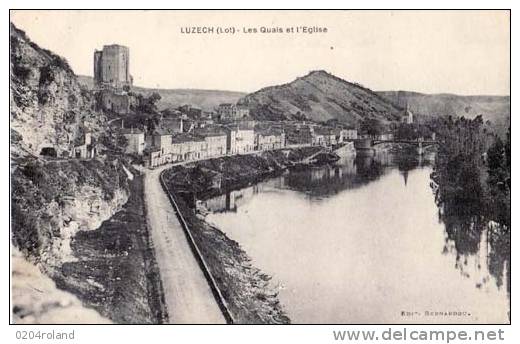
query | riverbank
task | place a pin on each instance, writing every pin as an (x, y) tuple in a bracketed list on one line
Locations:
[(115, 271), (208, 178), (248, 292)]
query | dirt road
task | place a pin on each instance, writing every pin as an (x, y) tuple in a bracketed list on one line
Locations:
[(187, 294)]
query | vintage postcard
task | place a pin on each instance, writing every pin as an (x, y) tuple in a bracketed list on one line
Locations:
[(260, 167)]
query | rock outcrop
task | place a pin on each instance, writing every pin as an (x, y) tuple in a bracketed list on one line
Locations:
[(48, 106), (36, 300), (57, 201)]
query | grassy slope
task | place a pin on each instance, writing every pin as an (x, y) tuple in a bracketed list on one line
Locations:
[(320, 96)]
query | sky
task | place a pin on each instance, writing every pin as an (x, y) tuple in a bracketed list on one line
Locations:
[(461, 52)]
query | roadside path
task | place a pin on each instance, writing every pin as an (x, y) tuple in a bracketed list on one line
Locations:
[(187, 294)]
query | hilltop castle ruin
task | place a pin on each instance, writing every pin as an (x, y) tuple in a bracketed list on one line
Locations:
[(112, 66)]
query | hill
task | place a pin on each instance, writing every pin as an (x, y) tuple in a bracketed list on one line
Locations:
[(173, 98), (496, 109), (320, 97)]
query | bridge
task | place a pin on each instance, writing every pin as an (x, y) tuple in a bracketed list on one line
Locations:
[(369, 144)]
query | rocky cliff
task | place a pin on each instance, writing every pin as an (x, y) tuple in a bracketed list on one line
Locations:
[(36, 300), (56, 199), (320, 96), (48, 106)]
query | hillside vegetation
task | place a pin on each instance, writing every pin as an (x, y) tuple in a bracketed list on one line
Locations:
[(320, 97), (496, 109)]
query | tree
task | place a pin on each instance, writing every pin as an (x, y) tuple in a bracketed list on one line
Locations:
[(148, 104), (372, 126), (406, 132), (499, 179)]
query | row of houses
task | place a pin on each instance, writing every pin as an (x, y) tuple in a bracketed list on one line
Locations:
[(167, 145), (314, 135), (225, 112)]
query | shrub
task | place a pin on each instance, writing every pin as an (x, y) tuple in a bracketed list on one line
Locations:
[(43, 97), (21, 72), (46, 75), (25, 231)]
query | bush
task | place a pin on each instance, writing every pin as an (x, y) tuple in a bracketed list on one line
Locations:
[(43, 97), (34, 173), (21, 72), (46, 75), (25, 231)]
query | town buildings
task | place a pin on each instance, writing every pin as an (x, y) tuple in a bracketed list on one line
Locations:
[(191, 111), (270, 138), (85, 149), (186, 147), (323, 136), (216, 140), (298, 134), (407, 118), (232, 112), (240, 140), (173, 125), (135, 141), (347, 135), (162, 140)]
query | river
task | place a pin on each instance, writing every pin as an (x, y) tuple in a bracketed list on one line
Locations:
[(361, 242)]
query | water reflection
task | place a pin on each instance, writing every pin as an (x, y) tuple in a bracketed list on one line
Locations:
[(481, 247), (364, 240)]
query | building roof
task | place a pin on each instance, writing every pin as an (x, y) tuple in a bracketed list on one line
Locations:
[(241, 125), (169, 123), (323, 131), (162, 131), (184, 137), (210, 132), (127, 131), (269, 131)]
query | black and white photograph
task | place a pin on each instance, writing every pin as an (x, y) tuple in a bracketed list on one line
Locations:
[(260, 167)]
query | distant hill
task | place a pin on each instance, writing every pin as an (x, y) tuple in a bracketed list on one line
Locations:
[(491, 108), (320, 96), (172, 98), (495, 109)]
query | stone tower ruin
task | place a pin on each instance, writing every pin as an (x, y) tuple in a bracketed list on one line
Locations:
[(112, 67)]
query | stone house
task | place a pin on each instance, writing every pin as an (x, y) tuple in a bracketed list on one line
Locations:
[(240, 140), (216, 141), (155, 158), (162, 140), (115, 102), (185, 147), (268, 139), (232, 112), (323, 136), (135, 141), (85, 149), (347, 134)]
